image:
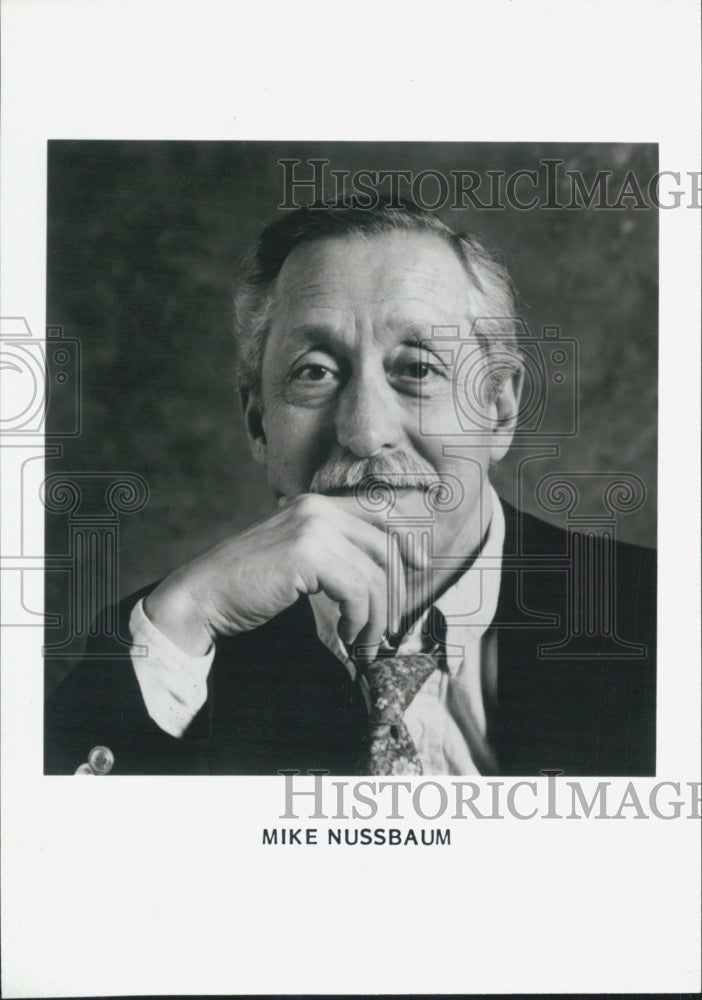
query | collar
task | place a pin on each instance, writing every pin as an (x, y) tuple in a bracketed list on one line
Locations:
[(468, 606)]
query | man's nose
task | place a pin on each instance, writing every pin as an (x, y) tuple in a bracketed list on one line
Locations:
[(368, 417)]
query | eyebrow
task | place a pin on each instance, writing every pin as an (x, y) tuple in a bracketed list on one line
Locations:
[(310, 331), (418, 337), (415, 336)]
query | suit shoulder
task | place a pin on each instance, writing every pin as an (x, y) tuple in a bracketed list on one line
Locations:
[(527, 534)]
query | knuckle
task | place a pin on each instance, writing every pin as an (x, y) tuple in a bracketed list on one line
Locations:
[(357, 587), (308, 506)]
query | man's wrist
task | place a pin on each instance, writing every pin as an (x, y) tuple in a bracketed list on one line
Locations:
[(171, 609)]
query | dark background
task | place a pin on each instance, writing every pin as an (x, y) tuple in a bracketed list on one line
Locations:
[(142, 243)]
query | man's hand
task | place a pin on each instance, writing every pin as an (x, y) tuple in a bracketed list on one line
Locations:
[(314, 543)]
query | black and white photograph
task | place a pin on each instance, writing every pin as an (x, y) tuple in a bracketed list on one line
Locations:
[(455, 510), (349, 426)]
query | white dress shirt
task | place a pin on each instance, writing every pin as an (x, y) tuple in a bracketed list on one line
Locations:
[(446, 719)]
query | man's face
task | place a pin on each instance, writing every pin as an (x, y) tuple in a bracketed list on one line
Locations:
[(352, 369)]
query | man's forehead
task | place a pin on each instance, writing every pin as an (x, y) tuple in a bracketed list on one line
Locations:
[(399, 273)]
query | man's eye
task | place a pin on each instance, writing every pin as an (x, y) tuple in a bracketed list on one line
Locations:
[(314, 373), (419, 369)]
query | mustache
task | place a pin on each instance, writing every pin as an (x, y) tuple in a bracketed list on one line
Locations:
[(399, 470)]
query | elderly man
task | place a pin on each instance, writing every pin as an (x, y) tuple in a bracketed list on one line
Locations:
[(393, 616)]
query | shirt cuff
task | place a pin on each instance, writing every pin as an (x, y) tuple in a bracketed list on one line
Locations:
[(173, 684)]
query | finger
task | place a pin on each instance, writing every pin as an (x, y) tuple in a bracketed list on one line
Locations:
[(410, 542), (359, 567), (396, 599), (352, 619), (365, 644), (367, 529), (361, 603), (386, 577)]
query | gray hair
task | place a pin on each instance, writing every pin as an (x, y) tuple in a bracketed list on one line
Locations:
[(494, 293)]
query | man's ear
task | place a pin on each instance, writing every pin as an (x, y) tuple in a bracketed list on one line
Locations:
[(505, 407), (253, 421)]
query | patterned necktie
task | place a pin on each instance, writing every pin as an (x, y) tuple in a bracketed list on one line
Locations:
[(393, 682)]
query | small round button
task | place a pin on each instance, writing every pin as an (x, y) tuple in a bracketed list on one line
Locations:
[(84, 769), (101, 760)]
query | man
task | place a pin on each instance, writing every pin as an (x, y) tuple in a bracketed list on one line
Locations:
[(393, 615)]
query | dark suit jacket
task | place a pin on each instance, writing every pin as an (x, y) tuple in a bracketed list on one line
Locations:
[(576, 680)]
